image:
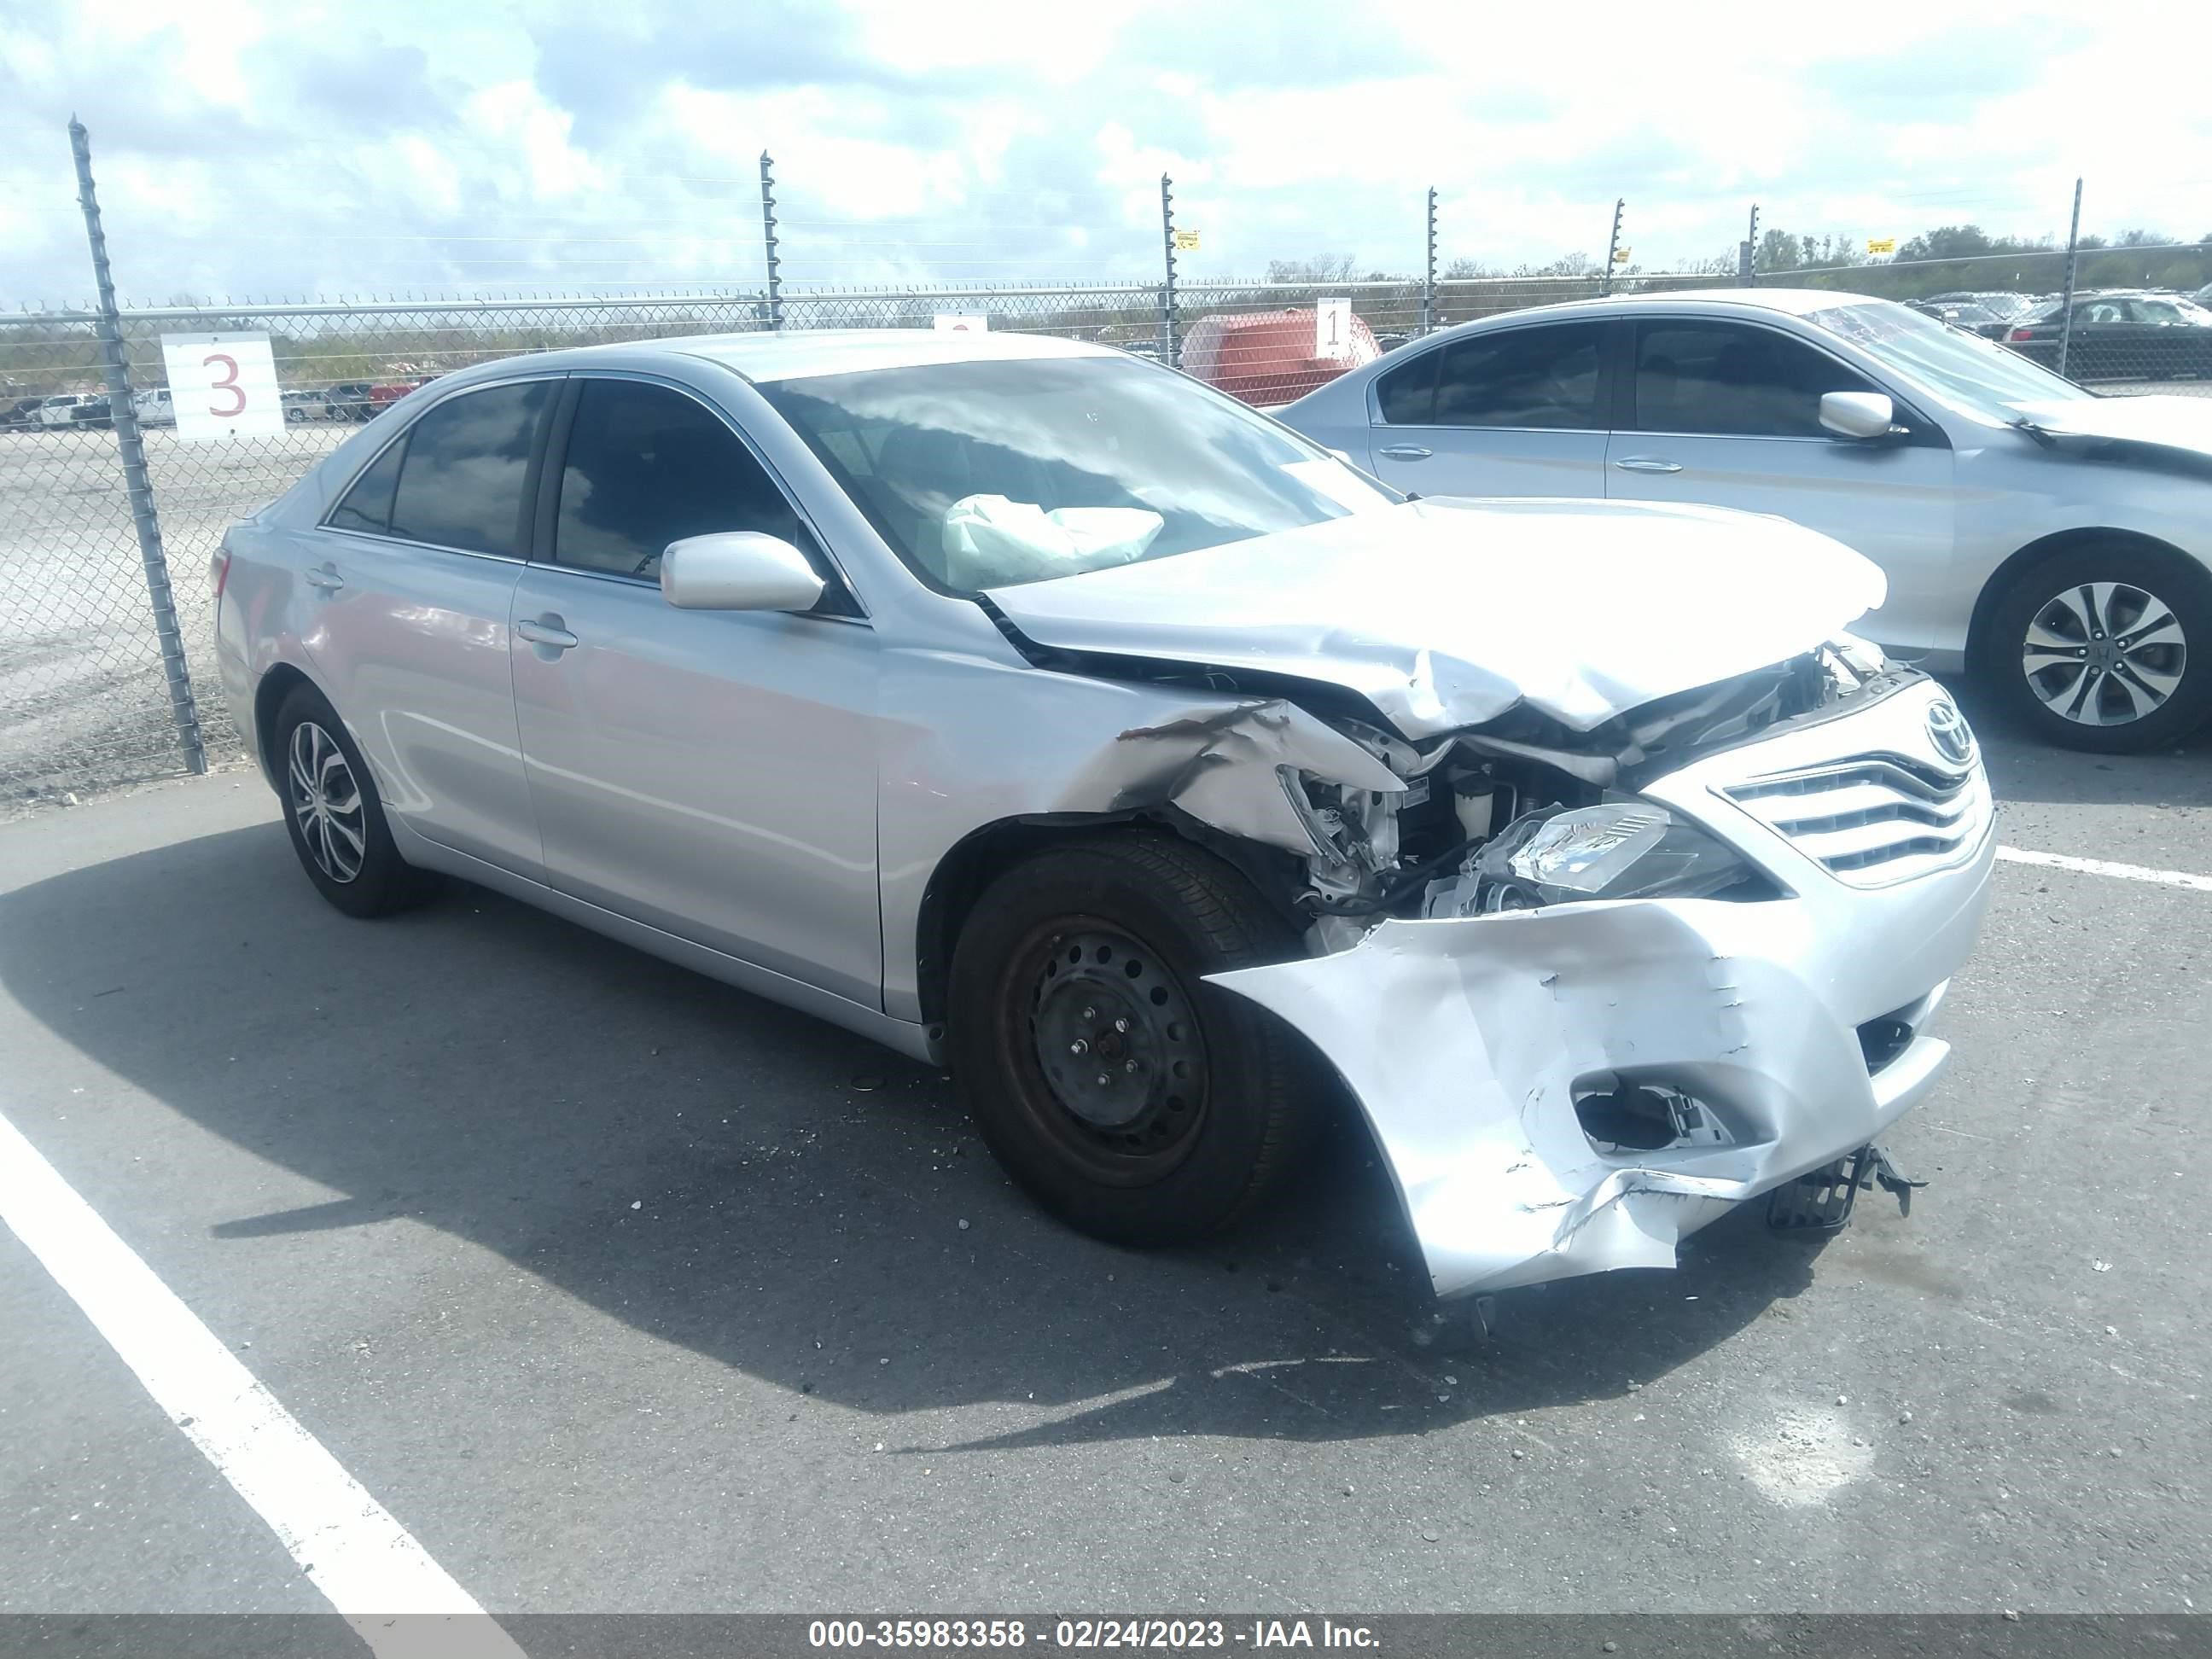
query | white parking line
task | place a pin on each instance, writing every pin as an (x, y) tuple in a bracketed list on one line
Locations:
[(400, 1602), (2106, 867)]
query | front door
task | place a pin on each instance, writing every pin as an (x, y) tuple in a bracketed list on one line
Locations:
[(1728, 414), (408, 582), (710, 773), (1510, 412)]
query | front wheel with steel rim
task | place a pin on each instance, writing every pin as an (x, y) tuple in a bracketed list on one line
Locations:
[(1130, 1098), (332, 814), (2107, 648)]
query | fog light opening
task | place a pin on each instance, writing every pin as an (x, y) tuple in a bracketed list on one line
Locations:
[(1646, 1117)]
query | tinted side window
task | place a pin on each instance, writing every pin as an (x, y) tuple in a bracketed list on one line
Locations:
[(467, 461), (368, 505), (1540, 377), (1734, 380), (646, 466), (1407, 396)]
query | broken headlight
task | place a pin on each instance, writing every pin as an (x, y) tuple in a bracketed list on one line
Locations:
[(1619, 850)]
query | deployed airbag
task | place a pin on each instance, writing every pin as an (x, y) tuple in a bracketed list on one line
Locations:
[(989, 538)]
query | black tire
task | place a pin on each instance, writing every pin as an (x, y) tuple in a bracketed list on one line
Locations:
[(2083, 604), (1224, 1095), (372, 879)]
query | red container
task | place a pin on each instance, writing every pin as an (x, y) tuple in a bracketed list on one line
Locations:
[(1268, 357)]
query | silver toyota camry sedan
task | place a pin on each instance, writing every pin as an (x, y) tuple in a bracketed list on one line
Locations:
[(1030, 707), (2057, 543)]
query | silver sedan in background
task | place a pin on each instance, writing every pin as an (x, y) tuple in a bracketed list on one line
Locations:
[(2056, 543)]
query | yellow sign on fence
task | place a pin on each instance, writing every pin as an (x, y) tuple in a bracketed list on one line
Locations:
[(1881, 245), (1186, 241)]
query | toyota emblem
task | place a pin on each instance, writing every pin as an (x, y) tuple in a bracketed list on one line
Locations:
[(1949, 733)]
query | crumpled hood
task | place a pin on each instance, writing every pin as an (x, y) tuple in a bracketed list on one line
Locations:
[(2165, 422), (1446, 613)]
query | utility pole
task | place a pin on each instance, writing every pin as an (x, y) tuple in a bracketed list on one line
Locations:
[(1747, 266), (767, 233), (1613, 244)]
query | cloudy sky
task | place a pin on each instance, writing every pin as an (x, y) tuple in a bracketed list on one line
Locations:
[(266, 150)]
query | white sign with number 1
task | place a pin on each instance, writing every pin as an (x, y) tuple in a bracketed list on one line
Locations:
[(222, 387), (1332, 329)]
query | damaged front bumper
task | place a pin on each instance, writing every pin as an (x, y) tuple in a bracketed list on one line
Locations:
[(1798, 1025)]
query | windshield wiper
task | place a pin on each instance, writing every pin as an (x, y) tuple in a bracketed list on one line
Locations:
[(2042, 434)]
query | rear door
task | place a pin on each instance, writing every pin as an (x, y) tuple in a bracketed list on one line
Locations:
[(2168, 338), (1728, 414), (1510, 412), (407, 586), (711, 774)]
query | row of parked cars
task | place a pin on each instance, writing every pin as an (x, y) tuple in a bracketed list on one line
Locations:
[(349, 400), (2146, 334), (77, 409)]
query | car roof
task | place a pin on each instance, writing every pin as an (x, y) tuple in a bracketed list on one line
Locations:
[(766, 356), (1791, 301)]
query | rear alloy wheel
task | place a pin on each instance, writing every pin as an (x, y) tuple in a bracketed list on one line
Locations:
[(2108, 650), (1132, 1099), (335, 819), (326, 803)]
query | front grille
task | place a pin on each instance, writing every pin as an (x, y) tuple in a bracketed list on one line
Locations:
[(1874, 820)]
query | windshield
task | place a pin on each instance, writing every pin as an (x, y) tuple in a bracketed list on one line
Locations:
[(1968, 369), (992, 474)]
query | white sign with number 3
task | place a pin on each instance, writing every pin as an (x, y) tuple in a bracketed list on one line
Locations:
[(222, 387)]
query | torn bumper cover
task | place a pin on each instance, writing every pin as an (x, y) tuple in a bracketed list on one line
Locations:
[(1468, 1042)]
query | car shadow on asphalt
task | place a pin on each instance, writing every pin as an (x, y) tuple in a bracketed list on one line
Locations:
[(764, 1190)]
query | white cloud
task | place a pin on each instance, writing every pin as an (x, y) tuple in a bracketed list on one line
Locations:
[(247, 147)]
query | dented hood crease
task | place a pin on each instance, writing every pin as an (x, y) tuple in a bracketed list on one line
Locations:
[(1445, 614), (2178, 425)]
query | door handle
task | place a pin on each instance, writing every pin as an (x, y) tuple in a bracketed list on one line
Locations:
[(1404, 453), (326, 578), (1646, 464), (545, 631)]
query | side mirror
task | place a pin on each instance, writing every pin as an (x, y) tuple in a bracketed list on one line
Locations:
[(737, 570), (1857, 413)]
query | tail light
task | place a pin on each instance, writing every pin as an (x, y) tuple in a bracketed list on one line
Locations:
[(219, 572), (2021, 334)]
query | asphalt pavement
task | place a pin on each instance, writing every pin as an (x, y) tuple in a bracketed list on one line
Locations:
[(620, 1290)]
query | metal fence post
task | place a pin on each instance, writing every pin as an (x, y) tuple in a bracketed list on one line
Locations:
[(1613, 244), (1168, 346), (143, 517), (1429, 281), (1747, 266), (2066, 305), (767, 235)]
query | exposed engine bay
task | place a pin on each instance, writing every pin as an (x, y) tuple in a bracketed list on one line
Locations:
[(1522, 812)]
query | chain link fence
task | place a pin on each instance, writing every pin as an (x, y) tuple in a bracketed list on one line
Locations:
[(83, 701), (83, 697)]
